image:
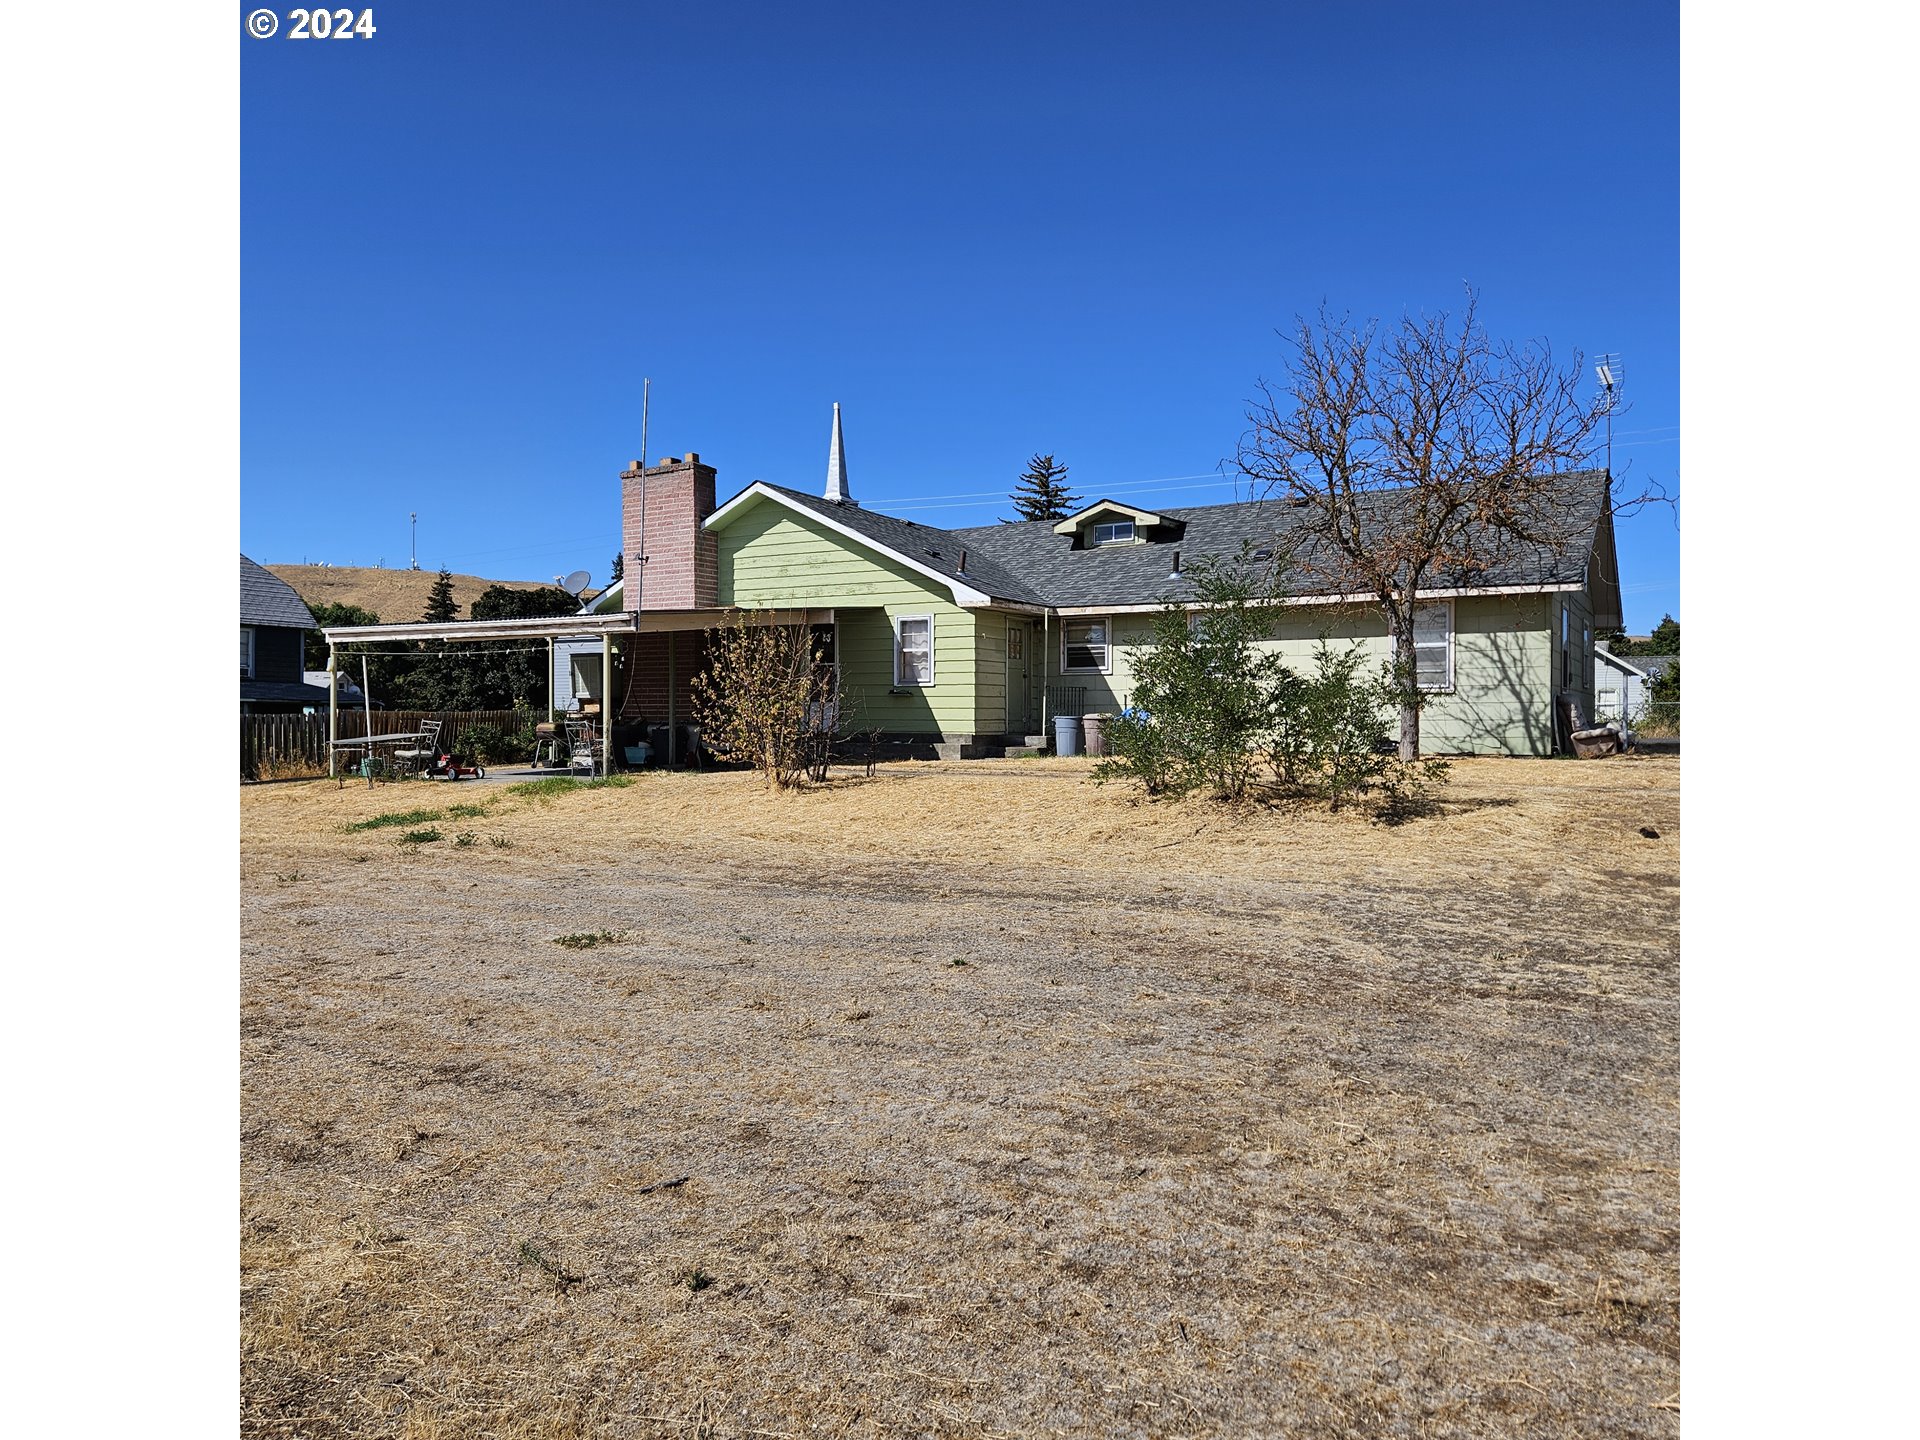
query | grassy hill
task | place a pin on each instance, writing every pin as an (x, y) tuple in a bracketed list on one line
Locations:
[(394, 595)]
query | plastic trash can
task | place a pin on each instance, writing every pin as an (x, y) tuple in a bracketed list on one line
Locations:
[(1096, 732), (1066, 734)]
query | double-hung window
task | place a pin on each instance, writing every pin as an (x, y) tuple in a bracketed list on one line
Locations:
[(1087, 645), (1119, 532), (1433, 645), (246, 652), (913, 650)]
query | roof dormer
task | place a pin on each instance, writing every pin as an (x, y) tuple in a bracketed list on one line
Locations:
[(1111, 522)]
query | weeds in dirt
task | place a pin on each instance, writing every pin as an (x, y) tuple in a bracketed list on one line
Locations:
[(587, 939), (421, 837), (465, 812), (398, 817), (289, 877), (465, 840), (500, 842), (566, 784), (695, 1279)]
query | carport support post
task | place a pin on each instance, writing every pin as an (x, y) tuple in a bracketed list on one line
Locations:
[(549, 683), (333, 709), (673, 729), (606, 704)]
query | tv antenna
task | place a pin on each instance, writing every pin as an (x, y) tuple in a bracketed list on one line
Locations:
[(640, 560), (413, 540), (1612, 375)]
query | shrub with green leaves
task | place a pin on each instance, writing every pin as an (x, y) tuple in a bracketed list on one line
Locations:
[(1214, 710), (1203, 692), (1331, 740)]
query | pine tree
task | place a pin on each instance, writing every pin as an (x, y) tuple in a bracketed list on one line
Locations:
[(441, 605), (1041, 493), (619, 567)]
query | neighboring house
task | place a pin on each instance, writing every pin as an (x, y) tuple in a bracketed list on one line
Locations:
[(273, 626), (576, 663), (1624, 683), (350, 695)]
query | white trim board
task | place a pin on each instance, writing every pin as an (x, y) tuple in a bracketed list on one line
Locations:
[(1070, 611)]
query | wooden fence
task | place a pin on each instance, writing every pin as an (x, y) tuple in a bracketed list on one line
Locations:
[(279, 746)]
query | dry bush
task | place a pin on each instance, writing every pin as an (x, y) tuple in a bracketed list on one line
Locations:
[(763, 698)]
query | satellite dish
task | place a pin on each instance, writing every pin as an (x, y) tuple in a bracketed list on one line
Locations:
[(576, 582)]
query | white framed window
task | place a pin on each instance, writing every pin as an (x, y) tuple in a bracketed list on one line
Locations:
[(1433, 645), (1087, 645), (913, 650), (1566, 646), (1118, 532), (586, 676), (246, 652)]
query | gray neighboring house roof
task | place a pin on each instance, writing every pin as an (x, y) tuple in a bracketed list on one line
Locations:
[(1649, 667), (283, 692), (1026, 562), (266, 599)]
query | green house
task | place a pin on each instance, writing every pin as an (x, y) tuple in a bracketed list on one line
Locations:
[(968, 640), (965, 642)]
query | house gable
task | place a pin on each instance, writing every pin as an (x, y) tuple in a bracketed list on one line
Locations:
[(867, 540)]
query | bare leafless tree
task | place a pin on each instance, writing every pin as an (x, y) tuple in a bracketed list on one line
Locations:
[(1419, 456)]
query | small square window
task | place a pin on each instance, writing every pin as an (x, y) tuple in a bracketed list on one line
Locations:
[(1086, 645), (1119, 532), (246, 652)]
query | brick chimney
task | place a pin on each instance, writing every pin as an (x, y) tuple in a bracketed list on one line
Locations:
[(681, 568)]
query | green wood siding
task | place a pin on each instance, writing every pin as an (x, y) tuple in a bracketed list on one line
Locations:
[(1505, 652), (1504, 667), (773, 558)]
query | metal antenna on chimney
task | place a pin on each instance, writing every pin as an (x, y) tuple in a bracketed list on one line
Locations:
[(640, 560)]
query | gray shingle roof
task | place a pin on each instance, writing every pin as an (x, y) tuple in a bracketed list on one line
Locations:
[(283, 692), (266, 599), (1027, 562)]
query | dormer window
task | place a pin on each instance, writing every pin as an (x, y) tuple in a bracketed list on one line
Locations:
[(1114, 522)]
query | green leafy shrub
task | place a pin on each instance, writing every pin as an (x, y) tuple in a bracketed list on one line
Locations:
[(1331, 740), (1203, 696), (1214, 710)]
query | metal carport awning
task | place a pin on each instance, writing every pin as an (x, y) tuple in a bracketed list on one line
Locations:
[(543, 627), (539, 627)]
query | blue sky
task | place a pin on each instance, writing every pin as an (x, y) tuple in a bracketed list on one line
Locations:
[(986, 232)]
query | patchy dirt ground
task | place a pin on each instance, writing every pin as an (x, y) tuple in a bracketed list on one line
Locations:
[(967, 1100)]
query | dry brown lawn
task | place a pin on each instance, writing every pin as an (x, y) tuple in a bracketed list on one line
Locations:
[(394, 595), (967, 1100)]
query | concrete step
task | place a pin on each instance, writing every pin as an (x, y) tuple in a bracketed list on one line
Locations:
[(1025, 752)]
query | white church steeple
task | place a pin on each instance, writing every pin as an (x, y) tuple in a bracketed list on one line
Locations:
[(837, 465)]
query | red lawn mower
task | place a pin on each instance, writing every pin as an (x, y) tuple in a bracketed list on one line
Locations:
[(444, 767)]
